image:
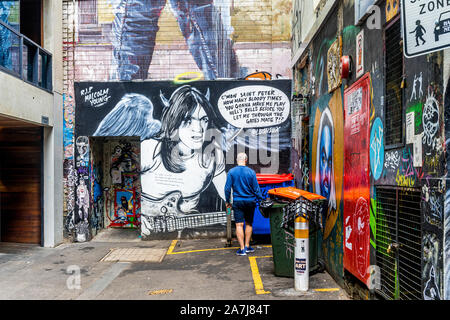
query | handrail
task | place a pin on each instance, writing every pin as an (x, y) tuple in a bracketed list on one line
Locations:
[(33, 65)]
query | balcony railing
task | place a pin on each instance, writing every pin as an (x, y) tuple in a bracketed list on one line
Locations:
[(21, 57)]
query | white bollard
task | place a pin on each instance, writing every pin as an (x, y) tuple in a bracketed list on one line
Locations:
[(301, 274)]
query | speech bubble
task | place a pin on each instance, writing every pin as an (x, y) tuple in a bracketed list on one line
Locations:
[(254, 106)]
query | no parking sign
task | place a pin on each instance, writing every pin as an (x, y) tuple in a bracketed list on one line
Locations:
[(426, 26)]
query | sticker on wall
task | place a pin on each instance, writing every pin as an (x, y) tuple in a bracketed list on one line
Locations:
[(360, 54), (417, 162), (300, 265), (410, 127), (334, 65), (376, 148)]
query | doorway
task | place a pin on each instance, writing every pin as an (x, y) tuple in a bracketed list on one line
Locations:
[(115, 183), (20, 182)]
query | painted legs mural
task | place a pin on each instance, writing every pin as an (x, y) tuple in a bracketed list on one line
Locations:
[(206, 30)]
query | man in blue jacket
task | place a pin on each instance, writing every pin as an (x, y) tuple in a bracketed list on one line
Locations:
[(246, 193)]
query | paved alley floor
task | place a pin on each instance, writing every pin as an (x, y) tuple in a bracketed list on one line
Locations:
[(109, 268)]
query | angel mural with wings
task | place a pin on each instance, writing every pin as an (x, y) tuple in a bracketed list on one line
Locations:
[(181, 155)]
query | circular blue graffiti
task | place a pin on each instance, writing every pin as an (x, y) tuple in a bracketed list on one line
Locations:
[(376, 149)]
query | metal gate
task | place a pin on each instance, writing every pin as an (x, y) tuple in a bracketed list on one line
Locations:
[(398, 242)]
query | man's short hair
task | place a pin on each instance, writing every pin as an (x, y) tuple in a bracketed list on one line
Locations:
[(241, 157)]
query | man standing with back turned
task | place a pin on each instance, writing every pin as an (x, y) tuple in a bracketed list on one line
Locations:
[(246, 193)]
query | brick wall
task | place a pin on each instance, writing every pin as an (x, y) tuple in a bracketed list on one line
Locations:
[(260, 31)]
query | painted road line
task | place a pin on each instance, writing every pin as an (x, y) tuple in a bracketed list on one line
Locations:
[(108, 276), (174, 242), (172, 247), (259, 289), (161, 291), (326, 289)]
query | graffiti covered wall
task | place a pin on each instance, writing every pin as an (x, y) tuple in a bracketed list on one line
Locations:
[(413, 168), (326, 138), (185, 131), (108, 40), (447, 196)]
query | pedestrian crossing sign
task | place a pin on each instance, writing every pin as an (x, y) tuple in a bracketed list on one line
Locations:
[(426, 26)]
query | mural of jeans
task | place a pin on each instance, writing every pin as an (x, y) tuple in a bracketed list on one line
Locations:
[(134, 32)]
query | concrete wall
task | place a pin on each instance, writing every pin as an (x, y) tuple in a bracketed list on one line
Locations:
[(28, 103), (24, 101)]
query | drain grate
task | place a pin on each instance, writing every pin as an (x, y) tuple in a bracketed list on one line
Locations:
[(135, 255)]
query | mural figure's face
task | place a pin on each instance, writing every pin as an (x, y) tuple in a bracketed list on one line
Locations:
[(325, 162), (193, 129)]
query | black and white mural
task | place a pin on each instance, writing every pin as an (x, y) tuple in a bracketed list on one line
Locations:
[(190, 135)]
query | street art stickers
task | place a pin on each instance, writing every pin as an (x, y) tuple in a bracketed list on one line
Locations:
[(190, 135)]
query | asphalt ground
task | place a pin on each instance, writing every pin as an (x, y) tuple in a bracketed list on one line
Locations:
[(184, 269)]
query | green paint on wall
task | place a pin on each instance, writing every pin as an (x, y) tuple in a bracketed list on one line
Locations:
[(417, 109), (349, 34), (373, 221)]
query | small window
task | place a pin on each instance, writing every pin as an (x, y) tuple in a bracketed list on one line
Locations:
[(393, 85), (87, 11)]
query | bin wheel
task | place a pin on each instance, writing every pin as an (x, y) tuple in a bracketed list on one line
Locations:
[(321, 265)]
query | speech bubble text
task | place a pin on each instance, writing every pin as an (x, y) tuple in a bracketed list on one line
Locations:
[(254, 106)]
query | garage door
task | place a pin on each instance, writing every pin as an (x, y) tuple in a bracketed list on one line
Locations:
[(20, 184)]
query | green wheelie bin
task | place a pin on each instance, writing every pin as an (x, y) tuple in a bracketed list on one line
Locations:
[(283, 243)]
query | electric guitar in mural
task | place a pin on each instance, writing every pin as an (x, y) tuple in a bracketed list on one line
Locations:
[(167, 206), (166, 215)]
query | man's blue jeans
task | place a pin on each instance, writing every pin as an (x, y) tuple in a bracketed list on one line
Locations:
[(134, 33)]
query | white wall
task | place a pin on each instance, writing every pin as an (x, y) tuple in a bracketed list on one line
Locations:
[(310, 22)]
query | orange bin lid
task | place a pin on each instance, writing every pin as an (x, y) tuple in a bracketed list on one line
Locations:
[(274, 178), (294, 193)]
